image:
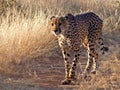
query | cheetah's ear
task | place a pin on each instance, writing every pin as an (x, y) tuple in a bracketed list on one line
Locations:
[(62, 19), (52, 17)]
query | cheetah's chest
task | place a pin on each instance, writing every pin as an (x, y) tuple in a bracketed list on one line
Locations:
[(72, 43)]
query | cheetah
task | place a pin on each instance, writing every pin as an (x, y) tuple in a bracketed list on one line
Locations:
[(73, 32)]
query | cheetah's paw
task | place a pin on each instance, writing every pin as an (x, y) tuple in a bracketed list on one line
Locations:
[(66, 82)]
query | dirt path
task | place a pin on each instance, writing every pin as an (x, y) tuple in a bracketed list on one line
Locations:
[(48, 76), (51, 73)]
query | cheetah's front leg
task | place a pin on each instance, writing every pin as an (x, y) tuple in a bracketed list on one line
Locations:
[(72, 75), (66, 56)]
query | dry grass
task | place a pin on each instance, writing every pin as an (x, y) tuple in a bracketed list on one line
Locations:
[(25, 35)]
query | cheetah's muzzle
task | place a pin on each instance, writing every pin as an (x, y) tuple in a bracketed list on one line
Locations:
[(57, 31)]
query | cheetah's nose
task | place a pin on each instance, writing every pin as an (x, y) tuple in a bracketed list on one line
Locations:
[(56, 31)]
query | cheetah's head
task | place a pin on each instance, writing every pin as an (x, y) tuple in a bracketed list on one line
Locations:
[(58, 25)]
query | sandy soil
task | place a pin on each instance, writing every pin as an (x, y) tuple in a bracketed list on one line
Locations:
[(107, 78), (48, 71)]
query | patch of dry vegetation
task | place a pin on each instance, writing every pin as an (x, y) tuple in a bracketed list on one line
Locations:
[(24, 35), (107, 77), (24, 30)]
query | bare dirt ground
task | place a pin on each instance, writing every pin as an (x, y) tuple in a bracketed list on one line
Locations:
[(48, 71), (107, 78), (47, 76)]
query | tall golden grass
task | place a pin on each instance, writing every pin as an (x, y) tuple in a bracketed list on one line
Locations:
[(24, 27)]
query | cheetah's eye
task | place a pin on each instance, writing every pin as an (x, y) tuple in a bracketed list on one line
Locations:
[(52, 24)]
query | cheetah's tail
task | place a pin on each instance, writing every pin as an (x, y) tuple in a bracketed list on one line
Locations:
[(103, 48)]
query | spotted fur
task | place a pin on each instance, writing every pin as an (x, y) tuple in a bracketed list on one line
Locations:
[(73, 32)]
